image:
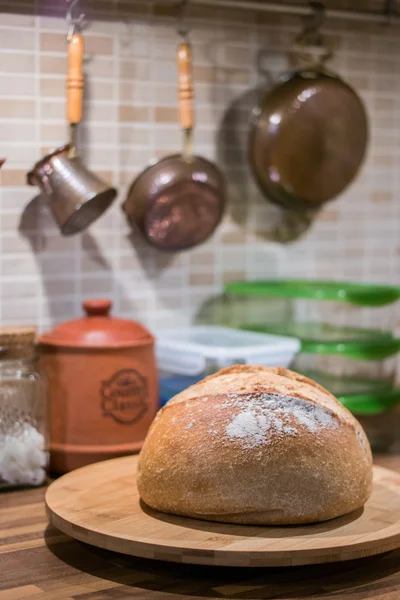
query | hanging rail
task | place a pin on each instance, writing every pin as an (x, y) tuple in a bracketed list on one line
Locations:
[(388, 16)]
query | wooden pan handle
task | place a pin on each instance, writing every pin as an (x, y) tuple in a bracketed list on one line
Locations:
[(185, 86), (75, 79)]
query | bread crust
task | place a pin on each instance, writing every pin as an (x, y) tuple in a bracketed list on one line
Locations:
[(255, 445)]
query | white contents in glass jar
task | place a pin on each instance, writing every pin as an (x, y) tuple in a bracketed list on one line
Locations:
[(23, 459), (23, 456)]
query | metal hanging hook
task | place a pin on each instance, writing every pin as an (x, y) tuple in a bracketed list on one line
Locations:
[(313, 23), (182, 28), (311, 44), (75, 23), (317, 18)]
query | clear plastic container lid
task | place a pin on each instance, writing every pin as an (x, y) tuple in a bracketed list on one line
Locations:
[(189, 351)]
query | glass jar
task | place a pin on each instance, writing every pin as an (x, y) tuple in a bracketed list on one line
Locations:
[(23, 418)]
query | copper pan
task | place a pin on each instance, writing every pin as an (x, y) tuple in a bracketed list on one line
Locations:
[(76, 196), (308, 137), (178, 202)]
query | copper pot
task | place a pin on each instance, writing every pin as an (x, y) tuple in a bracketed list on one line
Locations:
[(103, 387)]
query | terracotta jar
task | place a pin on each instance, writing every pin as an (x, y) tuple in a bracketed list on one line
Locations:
[(103, 387)]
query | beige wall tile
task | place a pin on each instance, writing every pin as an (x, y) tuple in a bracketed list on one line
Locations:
[(52, 87), (99, 90), (381, 196), (11, 40), (328, 214), (100, 112), (54, 133), (202, 259), (166, 114), (384, 160), (202, 73), (21, 265), (19, 311), (201, 279), (20, 289), (17, 108), (52, 42), (14, 242), (12, 177), (234, 237), (134, 70), (59, 243), (99, 45), (56, 65), (134, 113), (129, 134), (61, 287), (237, 56), (54, 109), (17, 85), (59, 309), (100, 66), (97, 286), (17, 63), (384, 103), (135, 93), (18, 20), (234, 276)]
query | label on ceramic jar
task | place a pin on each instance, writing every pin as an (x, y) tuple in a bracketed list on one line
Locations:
[(124, 396)]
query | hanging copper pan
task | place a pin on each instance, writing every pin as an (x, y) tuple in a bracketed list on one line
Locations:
[(178, 202), (308, 138), (76, 196)]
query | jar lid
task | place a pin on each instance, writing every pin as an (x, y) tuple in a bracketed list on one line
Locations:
[(17, 342), (17, 336), (97, 330)]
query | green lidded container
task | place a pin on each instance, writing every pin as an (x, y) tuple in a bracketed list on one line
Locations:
[(360, 294)]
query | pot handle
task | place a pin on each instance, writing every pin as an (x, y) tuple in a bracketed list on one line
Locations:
[(75, 79), (185, 86)]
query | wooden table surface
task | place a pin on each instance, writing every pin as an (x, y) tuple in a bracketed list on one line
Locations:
[(39, 562)]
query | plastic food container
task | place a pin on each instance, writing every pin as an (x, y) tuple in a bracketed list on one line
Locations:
[(187, 355)]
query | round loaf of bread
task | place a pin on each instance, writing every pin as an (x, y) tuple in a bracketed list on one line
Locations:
[(255, 445)]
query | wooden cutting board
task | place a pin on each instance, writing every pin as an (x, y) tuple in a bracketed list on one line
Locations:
[(99, 504)]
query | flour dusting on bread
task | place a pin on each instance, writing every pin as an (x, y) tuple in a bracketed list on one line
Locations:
[(264, 413)]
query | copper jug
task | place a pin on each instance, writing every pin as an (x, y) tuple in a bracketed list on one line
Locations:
[(103, 387)]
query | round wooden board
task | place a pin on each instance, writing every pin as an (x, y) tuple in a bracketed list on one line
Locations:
[(100, 505)]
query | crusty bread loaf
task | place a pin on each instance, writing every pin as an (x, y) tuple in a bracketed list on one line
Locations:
[(255, 445)]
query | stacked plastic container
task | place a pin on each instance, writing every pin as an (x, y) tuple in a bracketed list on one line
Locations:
[(346, 336), (185, 356)]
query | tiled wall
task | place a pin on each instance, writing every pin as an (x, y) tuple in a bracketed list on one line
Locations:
[(130, 118)]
